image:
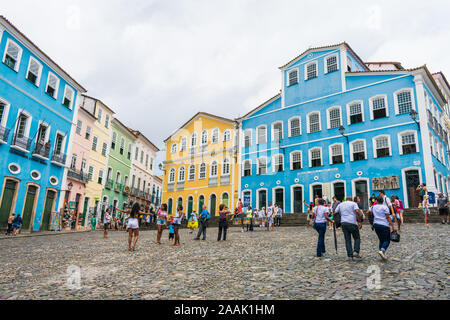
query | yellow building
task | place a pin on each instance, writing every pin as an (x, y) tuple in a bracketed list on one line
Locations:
[(99, 135), (201, 165)]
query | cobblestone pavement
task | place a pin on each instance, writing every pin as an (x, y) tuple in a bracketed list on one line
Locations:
[(255, 265)]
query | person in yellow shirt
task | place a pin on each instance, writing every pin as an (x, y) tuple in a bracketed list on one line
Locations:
[(249, 218)]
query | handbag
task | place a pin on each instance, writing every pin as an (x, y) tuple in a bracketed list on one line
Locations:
[(395, 236)]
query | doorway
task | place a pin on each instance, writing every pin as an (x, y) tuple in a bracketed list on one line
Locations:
[(262, 199), (48, 208), (212, 202), (9, 193), (298, 199), (29, 207), (339, 191), (412, 181), (317, 190), (201, 202), (190, 206), (279, 198), (362, 192), (85, 208)]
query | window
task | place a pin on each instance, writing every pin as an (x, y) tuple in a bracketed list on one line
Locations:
[(226, 167), (247, 138), (292, 77), (59, 144), (107, 120), (113, 141), (359, 150), (136, 154), (34, 72), (382, 147), (171, 176), (214, 169), (79, 127), (100, 114), (173, 149), (88, 133), (355, 112), (204, 137), (262, 165), (151, 163), (226, 135), (68, 97), (146, 160), (104, 149), (194, 139), (183, 144), (181, 174), (349, 65), (100, 176), (13, 54), (247, 168), (294, 127), (142, 156), (403, 102), (91, 173), (94, 143), (192, 172), (315, 157), (22, 125), (52, 85), (296, 160), (331, 64), (337, 155), (129, 152), (314, 122), (277, 131), (261, 134), (122, 146), (215, 136), (379, 108), (278, 163), (202, 171), (334, 117), (73, 162), (311, 70)]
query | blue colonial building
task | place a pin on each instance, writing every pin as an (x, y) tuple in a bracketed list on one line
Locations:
[(38, 105), (339, 127)]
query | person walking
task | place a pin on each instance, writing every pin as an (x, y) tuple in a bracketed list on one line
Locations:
[(106, 222), (223, 222), (161, 222), (278, 215), (401, 210), (132, 225), (357, 200), (396, 206), (383, 225), (249, 218), (351, 224), (10, 224), (320, 217), (203, 223), (442, 203), (177, 224), (387, 202)]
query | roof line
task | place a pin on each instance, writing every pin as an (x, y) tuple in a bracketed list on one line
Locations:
[(96, 99), (262, 105)]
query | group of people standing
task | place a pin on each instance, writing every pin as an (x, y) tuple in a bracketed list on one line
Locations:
[(269, 217)]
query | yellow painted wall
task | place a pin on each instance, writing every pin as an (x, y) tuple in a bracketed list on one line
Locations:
[(199, 187)]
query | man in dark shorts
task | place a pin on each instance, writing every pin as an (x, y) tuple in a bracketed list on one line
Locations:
[(422, 188), (442, 203)]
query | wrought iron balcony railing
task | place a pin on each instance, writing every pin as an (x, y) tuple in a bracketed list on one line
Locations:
[(59, 158), (109, 184), (4, 134), (78, 175), (41, 150), (22, 142)]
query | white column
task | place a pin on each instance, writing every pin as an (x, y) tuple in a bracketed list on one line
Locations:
[(424, 132), (343, 56)]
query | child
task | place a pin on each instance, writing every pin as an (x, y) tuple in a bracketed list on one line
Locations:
[(426, 209), (171, 232)]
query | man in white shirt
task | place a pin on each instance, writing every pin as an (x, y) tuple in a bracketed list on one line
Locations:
[(278, 215), (351, 223)]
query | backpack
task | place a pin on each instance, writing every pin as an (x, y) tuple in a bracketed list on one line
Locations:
[(208, 216)]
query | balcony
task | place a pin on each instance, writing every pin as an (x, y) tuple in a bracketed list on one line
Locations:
[(59, 159), (4, 134), (224, 180), (126, 190), (180, 185), (134, 192), (192, 150), (41, 151), (77, 175), (170, 187), (118, 187), (213, 182), (21, 143), (109, 184)]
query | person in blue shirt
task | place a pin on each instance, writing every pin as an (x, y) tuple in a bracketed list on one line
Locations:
[(171, 232), (203, 223)]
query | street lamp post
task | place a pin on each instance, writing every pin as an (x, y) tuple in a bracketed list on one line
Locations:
[(413, 115), (342, 131)]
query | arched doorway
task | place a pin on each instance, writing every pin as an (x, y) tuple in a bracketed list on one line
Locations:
[(8, 198), (339, 190), (262, 199), (190, 206), (48, 208), (169, 206), (29, 206), (212, 205), (201, 202)]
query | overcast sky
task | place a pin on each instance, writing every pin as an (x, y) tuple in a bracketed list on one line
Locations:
[(157, 63)]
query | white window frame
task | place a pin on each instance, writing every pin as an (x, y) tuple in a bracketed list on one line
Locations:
[(224, 166), (180, 170), (329, 119), (99, 115), (243, 167), (290, 127), (215, 133), (94, 137), (374, 144), (172, 172), (225, 133), (273, 130), (325, 62), (274, 162), (396, 106), (63, 144), (200, 171), (361, 102), (28, 125), (173, 148), (308, 129), (73, 96), (287, 76), (385, 103), (257, 134), (306, 69), (4, 119), (310, 156), (211, 166), (184, 138), (38, 80), (351, 148), (257, 165), (244, 133), (19, 55), (194, 134), (55, 96), (204, 133), (189, 172), (330, 153), (291, 162)]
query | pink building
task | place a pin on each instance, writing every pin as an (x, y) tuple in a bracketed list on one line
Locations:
[(77, 177)]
